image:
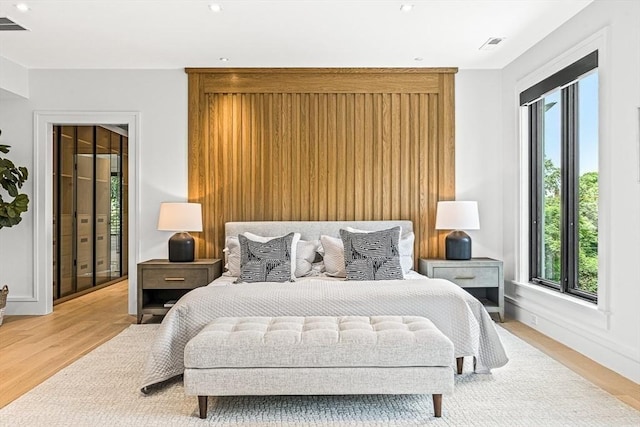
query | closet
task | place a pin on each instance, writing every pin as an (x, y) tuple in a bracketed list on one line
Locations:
[(89, 208)]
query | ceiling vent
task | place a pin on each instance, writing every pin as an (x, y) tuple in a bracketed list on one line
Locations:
[(7, 24), (492, 43)]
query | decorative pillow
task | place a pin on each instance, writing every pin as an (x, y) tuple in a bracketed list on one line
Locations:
[(304, 252), (372, 256), (332, 250), (405, 246), (265, 261)]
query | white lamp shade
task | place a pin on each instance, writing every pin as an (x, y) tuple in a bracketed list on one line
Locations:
[(457, 215), (180, 217)]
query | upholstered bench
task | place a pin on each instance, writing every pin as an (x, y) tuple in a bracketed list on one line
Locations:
[(318, 355)]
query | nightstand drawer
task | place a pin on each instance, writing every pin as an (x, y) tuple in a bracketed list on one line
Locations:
[(174, 278), (469, 277)]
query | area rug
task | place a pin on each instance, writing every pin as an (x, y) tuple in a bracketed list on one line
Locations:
[(101, 389)]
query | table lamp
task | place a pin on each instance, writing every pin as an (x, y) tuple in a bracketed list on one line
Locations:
[(457, 216), (181, 217)]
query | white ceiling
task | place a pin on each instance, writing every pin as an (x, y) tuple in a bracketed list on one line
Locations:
[(261, 33)]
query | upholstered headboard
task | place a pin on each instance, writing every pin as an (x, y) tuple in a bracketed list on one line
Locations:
[(310, 230)]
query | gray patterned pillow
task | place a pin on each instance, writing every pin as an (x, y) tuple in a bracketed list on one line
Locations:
[(372, 256), (265, 262)]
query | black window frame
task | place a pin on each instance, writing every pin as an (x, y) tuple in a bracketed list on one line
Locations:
[(566, 80)]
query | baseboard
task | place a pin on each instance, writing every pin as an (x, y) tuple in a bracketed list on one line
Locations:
[(618, 357)]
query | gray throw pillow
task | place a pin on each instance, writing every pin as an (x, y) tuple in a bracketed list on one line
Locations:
[(265, 262), (372, 256)]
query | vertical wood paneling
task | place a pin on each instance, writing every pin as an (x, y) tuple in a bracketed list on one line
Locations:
[(367, 145), (358, 153), (395, 169), (323, 161), (386, 172), (433, 176), (406, 142), (321, 156), (354, 193), (423, 155), (414, 155)]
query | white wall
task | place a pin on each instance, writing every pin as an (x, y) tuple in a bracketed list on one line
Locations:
[(610, 332), (479, 155), (14, 79), (161, 98)]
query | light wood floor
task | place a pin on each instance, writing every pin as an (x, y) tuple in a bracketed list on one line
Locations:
[(32, 348)]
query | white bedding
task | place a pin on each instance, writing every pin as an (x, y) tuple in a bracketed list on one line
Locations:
[(457, 314)]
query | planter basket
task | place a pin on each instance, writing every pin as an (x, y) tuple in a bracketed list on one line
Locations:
[(3, 301)]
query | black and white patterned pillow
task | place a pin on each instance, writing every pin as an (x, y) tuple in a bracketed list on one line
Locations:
[(372, 256), (265, 262)]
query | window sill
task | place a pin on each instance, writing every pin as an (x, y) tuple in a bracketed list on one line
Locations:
[(559, 307)]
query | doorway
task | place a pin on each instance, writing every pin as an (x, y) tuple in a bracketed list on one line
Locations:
[(90, 209)]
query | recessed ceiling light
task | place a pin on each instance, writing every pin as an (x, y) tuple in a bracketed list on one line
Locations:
[(406, 7), (492, 43), (418, 58), (22, 7), (223, 59), (215, 7)]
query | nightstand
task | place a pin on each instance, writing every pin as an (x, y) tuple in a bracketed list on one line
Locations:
[(161, 283), (481, 277)]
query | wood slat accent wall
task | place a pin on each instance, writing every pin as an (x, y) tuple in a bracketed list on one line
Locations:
[(321, 144)]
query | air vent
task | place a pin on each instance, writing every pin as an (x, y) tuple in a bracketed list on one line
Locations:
[(492, 43), (6, 24)]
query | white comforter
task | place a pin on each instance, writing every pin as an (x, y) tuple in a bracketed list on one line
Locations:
[(457, 314)]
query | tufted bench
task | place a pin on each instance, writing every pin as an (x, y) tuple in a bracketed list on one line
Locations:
[(318, 355)]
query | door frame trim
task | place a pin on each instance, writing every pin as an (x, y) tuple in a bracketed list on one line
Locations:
[(43, 121)]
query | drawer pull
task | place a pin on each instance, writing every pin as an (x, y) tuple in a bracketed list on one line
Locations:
[(174, 279), (465, 277)]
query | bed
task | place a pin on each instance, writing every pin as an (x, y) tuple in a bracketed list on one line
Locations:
[(460, 316)]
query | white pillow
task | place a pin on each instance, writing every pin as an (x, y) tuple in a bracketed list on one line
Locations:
[(333, 256), (294, 247), (232, 254), (405, 247), (305, 255)]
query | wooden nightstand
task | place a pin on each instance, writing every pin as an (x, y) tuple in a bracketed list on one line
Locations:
[(481, 277), (161, 282)]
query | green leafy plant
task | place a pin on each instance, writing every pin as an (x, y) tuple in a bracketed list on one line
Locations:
[(12, 178)]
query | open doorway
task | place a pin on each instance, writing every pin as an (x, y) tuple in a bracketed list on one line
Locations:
[(90, 209)]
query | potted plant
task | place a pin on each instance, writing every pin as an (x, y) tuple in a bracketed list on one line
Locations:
[(11, 180)]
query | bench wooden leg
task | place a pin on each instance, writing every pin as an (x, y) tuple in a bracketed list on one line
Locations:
[(202, 404), (437, 405), (459, 364)]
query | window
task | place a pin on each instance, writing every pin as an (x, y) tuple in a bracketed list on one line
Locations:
[(563, 180)]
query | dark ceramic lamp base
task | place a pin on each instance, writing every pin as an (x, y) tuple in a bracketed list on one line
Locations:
[(181, 248), (458, 245)]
